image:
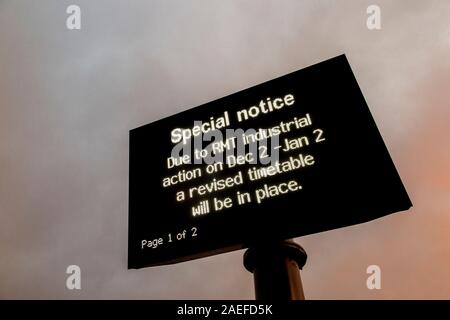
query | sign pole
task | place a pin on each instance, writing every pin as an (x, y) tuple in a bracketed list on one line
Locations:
[(275, 269)]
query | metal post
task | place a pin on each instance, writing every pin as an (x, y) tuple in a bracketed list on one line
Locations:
[(275, 269)]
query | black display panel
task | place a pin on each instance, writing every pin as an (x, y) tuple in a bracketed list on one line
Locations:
[(293, 156)]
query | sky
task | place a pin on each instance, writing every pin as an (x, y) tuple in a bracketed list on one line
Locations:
[(68, 99)]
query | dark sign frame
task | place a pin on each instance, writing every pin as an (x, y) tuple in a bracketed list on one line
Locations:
[(352, 180)]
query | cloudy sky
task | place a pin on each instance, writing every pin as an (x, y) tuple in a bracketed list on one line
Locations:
[(69, 98)]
